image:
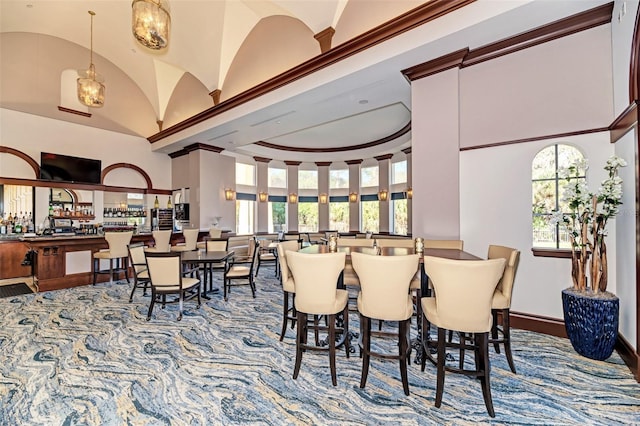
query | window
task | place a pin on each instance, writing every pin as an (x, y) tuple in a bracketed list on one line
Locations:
[(339, 216), (277, 216), (399, 172), (245, 174), (369, 176), (307, 179), (339, 179), (370, 216), (277, 178), (400, 216), (547, 191), (307, 217), (245, 213)]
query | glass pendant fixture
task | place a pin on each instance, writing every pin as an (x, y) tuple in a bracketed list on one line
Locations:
[(151, 23), (90, 87)]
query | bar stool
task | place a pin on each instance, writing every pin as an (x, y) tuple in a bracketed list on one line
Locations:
[(118, 242), (190, 240)]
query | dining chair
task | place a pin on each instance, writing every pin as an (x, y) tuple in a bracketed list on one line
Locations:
[(355, 242), (501, 303), (316, 277), (117, 251), (266, 255), (444, 244), (165, 275), (288, 285), (384, 295), (162, 241), (240, 271), (215, 232), (395, 242), (190, 240), (139, 265), (462, 303), (216, 245)]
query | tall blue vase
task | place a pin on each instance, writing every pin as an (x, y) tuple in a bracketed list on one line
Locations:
[(591, 322)]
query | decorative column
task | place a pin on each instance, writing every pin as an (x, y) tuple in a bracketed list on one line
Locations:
[(407, 152), (354, 187), (383, 185), (323, 189), (262, 186), (292, 188)]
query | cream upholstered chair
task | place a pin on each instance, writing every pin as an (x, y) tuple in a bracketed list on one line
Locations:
[(316, 277), (215, 232), (240, 271), (502, 299), (190, 240), (355, 242), (288, 285), (165, 274), (266, 255), (384, 295), (216, 245), (395, 242), (464, 292), (139, 265), (161, 239), (117, 252), (444, 244)]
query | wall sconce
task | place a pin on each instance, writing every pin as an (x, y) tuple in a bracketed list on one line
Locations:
[(409, 193), (262, 196), (353, 197), (229, 194), (323, 198), (383, 195), (293, 198)]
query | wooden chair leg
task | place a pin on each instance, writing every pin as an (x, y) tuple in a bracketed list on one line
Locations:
[(285, 314), (345, 328), (506, 330), (365, 331), (440, 366), (482, 363), (494, 330), (302, 330), (332, 349), (404, 349)]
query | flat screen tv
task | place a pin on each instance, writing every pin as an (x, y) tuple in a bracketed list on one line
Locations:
[(65, 168)]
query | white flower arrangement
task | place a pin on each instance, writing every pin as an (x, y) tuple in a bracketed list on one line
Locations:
[(587, 219)]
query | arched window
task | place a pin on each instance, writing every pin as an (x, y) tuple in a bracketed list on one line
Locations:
[(547, 189)]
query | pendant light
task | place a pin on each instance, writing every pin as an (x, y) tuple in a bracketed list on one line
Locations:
[(90, 87), (151, 23)]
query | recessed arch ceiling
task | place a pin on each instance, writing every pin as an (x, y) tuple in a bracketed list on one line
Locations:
[(360, 99)]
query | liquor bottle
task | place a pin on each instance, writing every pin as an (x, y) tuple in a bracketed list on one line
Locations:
[(50, 210), (169, 202), (156, 203)]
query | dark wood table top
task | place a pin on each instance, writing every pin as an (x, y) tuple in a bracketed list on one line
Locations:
[(199, 256)]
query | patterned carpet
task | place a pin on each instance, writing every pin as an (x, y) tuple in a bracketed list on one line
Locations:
[(87, 356)]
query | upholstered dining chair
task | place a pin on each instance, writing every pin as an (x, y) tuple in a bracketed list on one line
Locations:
[(501, 303), (316, 277), (241, 271), (395, 242), (165, 275), (161, 239), (266, 255), (215, 232), (190, 240), (384, 295), (216, 245), (117, 251), (139, 265), (444, 244), (355, 242), (288, 285), (462, 303)]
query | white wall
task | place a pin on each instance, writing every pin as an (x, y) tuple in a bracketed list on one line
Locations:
[(495, 208)]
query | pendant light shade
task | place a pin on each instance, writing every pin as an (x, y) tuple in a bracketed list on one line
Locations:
[(89, 83), (151, 23)]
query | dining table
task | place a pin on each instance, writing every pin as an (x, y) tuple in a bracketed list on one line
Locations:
[(207, 259), (454, 254)]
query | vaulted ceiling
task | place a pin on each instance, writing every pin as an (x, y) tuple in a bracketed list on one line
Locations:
[(349, 102)]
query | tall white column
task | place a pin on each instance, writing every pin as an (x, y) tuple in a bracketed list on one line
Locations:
[(262, 185), (383, 184), (323, 188), (354, 187), (292, 187)]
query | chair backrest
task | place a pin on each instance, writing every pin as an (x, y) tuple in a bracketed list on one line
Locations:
[(286, 278), (215, 232), (512, 258), (444, 244), (216, 245), (190, 238), (355, 242), (384, 285), (395, 242), (118, 242), (464, 291), (162, 239), (137, 258), (316, 277), (164, 269)]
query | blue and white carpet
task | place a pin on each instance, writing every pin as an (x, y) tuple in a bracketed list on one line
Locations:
[(88, 356)]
